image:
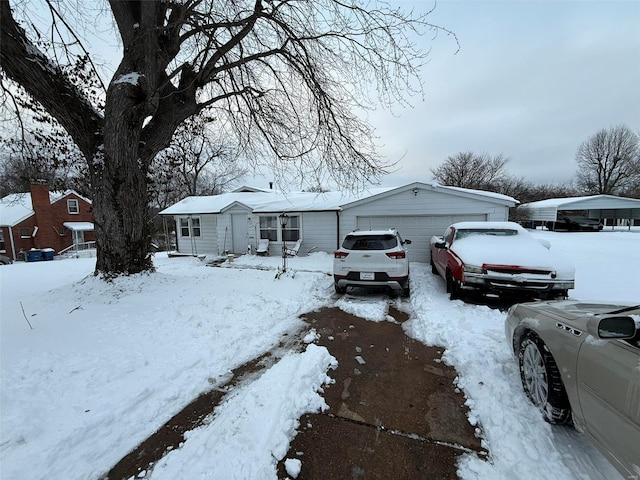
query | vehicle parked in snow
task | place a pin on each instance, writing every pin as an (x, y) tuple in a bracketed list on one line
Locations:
[(573, 223), (372, 258), (579, 364), (498, 258)]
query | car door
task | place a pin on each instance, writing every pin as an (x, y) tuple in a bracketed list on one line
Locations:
[(608, 374), (441, 257)]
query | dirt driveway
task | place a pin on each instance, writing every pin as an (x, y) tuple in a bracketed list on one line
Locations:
[(394, 409)]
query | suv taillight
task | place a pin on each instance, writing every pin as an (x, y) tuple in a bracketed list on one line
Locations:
[(396, 255), (339, 254)]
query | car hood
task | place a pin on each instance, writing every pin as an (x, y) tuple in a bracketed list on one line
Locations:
[(512, 250), (577, 307)]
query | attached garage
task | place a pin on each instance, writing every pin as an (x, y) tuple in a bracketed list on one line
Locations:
[(416, 228), (420, 211)]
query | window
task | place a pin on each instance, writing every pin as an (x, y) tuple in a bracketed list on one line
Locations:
[(291, 232), (448, 235), (72, 206), (184, 227), (195, 226), (269, 228), (370, 242), (2, 246), (24, 233), (190, 226)]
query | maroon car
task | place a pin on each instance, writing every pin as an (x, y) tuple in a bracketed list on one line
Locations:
[(498, 258)]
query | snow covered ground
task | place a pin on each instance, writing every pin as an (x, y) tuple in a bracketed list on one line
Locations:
[(106, 364)]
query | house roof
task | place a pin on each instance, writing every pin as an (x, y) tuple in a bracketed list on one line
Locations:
[(272, 201), (16, 207)]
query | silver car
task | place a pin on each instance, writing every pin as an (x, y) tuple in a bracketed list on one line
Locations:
[(580, 363)]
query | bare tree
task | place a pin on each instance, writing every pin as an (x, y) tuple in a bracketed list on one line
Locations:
[(609, 161), (28, 160), (198, 162), (287, 75), (471, 170)]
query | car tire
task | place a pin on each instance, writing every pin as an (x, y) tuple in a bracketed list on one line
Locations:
[(339, 290), (406, 291), (453, 287), (541, 380), (434, 270)]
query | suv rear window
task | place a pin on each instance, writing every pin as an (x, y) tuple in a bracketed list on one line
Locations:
[(370, 242)]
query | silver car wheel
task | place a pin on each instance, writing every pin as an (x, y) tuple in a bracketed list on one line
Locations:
[(535, 374), (541, 379)]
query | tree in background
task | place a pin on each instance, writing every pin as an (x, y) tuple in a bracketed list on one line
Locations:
[(286, 76), (609, 162), (198, 162), (24, 161), (472, 170)]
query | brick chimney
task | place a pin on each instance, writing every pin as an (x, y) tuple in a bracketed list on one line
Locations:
[(46, 235)]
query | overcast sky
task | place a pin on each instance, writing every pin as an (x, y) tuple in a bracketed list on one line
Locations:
[(531, 81)]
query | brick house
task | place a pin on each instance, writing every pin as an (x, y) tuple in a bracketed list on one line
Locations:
[(42, 219)]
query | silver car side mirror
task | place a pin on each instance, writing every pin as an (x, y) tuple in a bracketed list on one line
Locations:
[(612, 327)]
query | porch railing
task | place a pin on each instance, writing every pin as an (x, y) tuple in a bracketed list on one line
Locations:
[(79, 249)]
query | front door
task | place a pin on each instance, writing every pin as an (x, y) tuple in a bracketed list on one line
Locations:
[(239, 233)]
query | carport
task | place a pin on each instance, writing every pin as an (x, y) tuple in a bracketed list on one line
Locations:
[(609, 209)]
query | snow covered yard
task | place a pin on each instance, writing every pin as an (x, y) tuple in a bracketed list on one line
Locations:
[(107, 363)]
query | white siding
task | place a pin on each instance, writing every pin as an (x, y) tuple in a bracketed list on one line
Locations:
[(206, 243), (419, 216), (319, 232), (418, 229)]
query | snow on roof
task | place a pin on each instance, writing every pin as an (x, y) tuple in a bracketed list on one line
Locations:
[(271, 201), (484, 193), (79, 226), (16, 207), (562, 202)]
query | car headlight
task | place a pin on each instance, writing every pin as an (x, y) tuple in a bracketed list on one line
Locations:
[(471, 269)]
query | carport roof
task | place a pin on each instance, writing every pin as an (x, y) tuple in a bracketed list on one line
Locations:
[(586, 203)]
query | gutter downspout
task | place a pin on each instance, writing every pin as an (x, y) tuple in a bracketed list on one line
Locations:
[(13, 245), (337, 229)]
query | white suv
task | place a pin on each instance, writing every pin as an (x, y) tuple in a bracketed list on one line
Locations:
[(372, 258)]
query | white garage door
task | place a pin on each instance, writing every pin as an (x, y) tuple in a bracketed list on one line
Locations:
[(418, 229)]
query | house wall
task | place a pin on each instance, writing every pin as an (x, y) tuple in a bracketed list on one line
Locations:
[(206, 243), (49, 218), (418, 217)]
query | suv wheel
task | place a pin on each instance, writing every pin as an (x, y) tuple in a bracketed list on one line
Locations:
[(339, 290)]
